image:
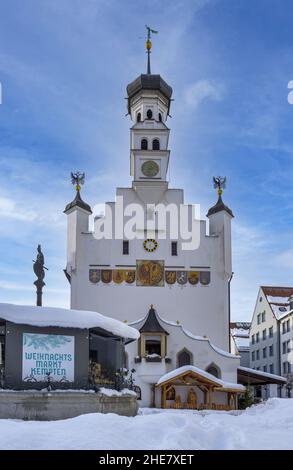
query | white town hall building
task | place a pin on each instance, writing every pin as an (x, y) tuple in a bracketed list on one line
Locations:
[(177, 298)]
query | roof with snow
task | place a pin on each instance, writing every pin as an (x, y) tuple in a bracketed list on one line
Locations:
[(278, 299), (257, 377), (240, 334), (180, 372), (65, 318)]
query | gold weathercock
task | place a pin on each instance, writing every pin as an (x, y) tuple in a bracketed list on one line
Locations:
[(77, 179), (219, 183), (148, 46)]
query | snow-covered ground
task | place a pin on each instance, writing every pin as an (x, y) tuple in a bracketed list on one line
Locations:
[(265, 426)]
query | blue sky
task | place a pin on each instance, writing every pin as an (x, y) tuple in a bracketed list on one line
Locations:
[(64, 67)]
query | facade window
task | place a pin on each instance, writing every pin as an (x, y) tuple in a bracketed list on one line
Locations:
[(286, 347), (258, 319), (125, 248), (264, 353), (257, 338), (174, 250), (284, 327), (263, 316), (153, 345), (149, 114), (138, 117), (286, 367), (271, 332), (271, 368), (253, 356), (160, 117), (144, 144), (253, 339), (264, 334), (214, 370), (156, 144), (257, 355), (288, 325), (184, 358), (265, 368), (271, 350)]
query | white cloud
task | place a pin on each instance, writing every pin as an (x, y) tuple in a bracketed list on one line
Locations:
[(11, 210), (203, 90)]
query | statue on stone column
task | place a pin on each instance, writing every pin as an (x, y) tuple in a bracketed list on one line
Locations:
[(39, 270)]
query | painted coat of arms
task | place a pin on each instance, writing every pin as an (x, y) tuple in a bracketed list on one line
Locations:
[(106, 275), (205, 277), (118, 276), (94, 275), (193, 277), (150, 273), (182, 277), (129, 276), (170, 277)]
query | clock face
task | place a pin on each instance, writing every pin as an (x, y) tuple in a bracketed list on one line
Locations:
[(150, 245), (150, 168)]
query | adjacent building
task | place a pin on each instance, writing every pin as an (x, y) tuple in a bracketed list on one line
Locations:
[(271, 335)]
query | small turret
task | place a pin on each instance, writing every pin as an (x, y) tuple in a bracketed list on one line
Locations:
[(220, 217), (78, 213)]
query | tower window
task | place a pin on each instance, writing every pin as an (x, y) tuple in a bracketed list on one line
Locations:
[(156, 144), (138, 117), (174, 250), (160, 117), (149, 114), (125, 247), (144, 144)]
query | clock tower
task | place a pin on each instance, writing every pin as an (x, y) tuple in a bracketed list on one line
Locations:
[(149, 99)]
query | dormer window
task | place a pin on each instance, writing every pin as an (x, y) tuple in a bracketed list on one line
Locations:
[(149, 114), (138, 117), (156, 144), (144, 144), (153, 339)]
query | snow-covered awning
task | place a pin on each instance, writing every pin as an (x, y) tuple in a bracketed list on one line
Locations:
[(65, 318), (181, 375), (257, 377)]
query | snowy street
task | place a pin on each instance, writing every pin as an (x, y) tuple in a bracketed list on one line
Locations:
[(265, 426)]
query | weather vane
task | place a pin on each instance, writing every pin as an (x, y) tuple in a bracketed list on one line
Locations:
[(77, 179), (219, 183), (148, 45)]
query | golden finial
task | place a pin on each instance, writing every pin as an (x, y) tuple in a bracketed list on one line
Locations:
[(178, 322), (152, 306)]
